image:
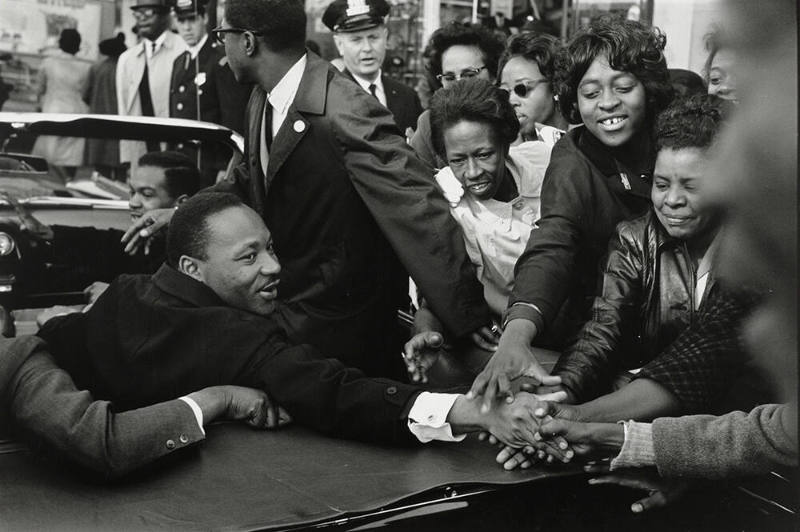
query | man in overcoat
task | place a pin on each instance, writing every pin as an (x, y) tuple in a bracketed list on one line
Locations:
[(144, 71), (344, 196)]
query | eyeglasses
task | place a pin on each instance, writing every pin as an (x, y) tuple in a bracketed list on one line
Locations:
[(219, 33), (147, 12), (466, 73), (523, 89)]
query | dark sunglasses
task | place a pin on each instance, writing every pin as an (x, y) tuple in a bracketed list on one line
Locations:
[(523, 89), (219, 33)]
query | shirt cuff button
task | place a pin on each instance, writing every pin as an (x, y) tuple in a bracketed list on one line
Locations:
[(170, 444), (391, 390), (183, 438)]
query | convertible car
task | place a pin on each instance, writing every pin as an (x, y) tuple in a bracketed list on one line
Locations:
[(291, 479), (30, 276)]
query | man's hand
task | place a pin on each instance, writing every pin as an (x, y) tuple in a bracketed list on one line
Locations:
[(586, 439), (420, 353), (559, 447), (138, 234), (512, 360), (94, 290), (238, 403), (255, 408), (660, 491), (514, 424)]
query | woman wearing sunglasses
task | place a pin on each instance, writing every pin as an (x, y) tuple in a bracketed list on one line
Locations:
[(613, 78), (493, 189), (526, 72)]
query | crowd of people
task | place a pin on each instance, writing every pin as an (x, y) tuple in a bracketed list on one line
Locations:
[(574, 203)]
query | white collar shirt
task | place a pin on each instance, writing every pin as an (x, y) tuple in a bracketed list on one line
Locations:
[(280, 98), (380, 92), (194, 50), (151, 48)]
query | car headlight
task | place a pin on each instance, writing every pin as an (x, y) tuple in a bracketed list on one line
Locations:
[(6, 244)]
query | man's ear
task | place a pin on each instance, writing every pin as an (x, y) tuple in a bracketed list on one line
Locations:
[(250, 44), (181, 199), (191, 267)]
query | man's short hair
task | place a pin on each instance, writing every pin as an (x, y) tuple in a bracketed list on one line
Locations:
[(189, 232), (281, 23), (490, 45), (181, 175), (692, 122), (475, 100)]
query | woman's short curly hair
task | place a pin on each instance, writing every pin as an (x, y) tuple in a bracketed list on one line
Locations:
[(539, 48), (490, 45), (475, 100), (630, 47), (692, 122)]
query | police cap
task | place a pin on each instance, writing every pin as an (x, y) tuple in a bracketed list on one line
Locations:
[(354, 15), (189, 8)]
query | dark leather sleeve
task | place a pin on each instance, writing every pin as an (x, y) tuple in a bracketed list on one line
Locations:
[(546, 268), (402, 197), (323, 394), (588, 366)]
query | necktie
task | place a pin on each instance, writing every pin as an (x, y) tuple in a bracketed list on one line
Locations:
[(372, 89), (267, 143), (146, 100)]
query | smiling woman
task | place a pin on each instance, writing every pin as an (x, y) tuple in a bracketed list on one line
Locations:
[(612, 77)]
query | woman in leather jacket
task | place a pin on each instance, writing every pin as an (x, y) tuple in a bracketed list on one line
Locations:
[(658, 271)]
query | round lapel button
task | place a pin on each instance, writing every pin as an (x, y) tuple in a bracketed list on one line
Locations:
[(299, 126)]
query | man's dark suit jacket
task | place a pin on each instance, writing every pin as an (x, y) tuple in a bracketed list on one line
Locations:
[(401, 100), (343, 193), (152, 338)]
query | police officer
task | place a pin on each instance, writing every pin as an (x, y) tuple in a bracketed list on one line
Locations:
[(188, 95), (360, 34), (202, 88)]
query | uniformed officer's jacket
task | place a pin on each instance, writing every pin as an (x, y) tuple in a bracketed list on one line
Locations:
[(186, 80)]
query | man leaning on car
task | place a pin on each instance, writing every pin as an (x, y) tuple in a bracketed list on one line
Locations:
[(206, 318)]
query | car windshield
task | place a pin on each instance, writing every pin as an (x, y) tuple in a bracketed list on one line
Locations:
[(79, 156)]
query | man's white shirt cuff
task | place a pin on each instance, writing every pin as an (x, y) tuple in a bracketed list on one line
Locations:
[(198, 414), (427, 419)]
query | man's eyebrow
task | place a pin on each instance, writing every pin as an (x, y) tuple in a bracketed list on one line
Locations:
[(245, 246)]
